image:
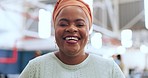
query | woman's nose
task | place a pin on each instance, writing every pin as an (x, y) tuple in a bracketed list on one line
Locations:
[(71, 29)]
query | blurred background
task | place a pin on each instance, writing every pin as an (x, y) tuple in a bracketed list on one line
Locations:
[(119, 32)]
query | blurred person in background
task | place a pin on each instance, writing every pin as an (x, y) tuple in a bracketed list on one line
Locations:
[(118, 60), (72, 20)]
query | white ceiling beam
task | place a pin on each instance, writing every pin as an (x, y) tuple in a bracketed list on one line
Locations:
[(112, 16), (105, 31), (134, 20), (31, 34), (38, 44)]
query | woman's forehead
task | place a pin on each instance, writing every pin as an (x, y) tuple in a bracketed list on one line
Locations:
[(72, 11)]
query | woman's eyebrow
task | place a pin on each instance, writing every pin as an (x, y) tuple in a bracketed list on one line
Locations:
[(79, 20), (64, 19)]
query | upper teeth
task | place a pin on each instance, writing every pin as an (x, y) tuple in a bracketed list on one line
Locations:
[(71, 38)]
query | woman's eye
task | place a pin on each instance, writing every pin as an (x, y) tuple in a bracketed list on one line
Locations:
[(80, 25), (63, 24)]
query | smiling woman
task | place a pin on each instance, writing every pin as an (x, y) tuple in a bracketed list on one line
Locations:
[(72, 20), (71, 33)]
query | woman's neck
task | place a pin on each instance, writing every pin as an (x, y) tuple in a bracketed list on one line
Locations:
[(71, 60)]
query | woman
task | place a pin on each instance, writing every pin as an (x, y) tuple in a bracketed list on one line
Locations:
[(72, 20)]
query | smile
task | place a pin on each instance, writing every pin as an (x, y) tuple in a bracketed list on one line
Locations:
[(71, 39)]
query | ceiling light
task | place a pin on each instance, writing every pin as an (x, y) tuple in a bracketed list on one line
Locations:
[(144, 48), (126, 38), (96, 40), (44, 24)]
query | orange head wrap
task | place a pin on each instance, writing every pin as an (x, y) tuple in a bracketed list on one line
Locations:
[(63, 3)]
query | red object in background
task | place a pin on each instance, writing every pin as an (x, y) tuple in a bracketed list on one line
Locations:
[(12, 59)]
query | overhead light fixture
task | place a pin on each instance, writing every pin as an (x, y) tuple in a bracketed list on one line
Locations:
[(144, 48), (44, 24), (96, 40), (126, 38)]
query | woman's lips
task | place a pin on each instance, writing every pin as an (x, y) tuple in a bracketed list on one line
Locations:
[(71, 39)]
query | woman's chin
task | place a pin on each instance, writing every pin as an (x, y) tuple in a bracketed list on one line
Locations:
[(73, 51)]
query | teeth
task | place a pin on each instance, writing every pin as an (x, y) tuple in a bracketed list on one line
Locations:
[(71, 38)]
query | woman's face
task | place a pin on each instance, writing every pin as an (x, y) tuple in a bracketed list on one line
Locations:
[(71, 30)]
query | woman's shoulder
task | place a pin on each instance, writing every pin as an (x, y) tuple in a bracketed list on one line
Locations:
[(106, 65), (42, 58), (101, 60)]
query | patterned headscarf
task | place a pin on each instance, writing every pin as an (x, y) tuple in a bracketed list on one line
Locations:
[(63, 3)]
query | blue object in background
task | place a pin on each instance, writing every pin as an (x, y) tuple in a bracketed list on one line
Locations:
[(15, 68)]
